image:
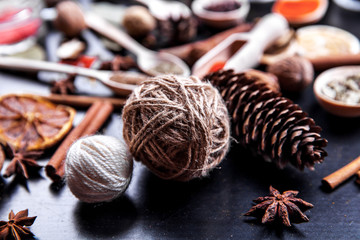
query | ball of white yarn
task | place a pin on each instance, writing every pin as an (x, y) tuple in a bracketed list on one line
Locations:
[(98, 168)]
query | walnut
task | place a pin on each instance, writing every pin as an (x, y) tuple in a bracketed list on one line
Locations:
[(70, 19), (138, 21), (294, 73)]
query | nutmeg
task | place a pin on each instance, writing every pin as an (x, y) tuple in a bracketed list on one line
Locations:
[(138, 21), (294, 73), (70, 19)]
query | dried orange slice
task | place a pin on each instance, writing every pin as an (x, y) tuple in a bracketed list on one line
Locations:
[(28, 120)]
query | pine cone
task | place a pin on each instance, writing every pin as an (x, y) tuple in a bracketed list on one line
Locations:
[(270, 125)]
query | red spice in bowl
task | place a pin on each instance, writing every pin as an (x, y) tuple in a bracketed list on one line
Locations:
[(299, 12)]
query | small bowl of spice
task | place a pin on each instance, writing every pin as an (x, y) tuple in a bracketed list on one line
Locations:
[(338, 91), (221, 13), (301, 12)]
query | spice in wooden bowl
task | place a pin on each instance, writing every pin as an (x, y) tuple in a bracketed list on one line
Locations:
[(221, 14), (345, 89), (338, 91), (322, 41)]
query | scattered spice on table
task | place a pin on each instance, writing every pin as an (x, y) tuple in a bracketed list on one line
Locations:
[(15, 227), (345, 90), (280, 207)]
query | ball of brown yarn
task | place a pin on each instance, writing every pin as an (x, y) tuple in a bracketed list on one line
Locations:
[(178, 127)]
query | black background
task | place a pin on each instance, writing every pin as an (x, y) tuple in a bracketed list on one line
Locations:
[(210, 208)]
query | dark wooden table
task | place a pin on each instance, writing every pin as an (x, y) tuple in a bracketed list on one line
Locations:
[(211, 208)]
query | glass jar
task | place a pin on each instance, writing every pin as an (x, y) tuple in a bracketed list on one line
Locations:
[(19, 25)]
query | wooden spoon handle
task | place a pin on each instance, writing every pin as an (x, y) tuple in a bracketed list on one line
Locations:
[(37, 65), (108, 30)]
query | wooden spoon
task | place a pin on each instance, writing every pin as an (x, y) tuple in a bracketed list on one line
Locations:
[(122, 83), (150, 62), (147, 59)]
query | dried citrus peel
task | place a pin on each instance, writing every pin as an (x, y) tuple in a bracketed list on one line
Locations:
[(30, 120)]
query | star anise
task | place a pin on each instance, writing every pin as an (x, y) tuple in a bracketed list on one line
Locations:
[(64, 86), (22, 162), (280, 207), (15, 227), (119, 63)]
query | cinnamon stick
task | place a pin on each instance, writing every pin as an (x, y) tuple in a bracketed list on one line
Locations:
[(336, 178), (83, 101), (93, 120), (191, 52), (323, 63)]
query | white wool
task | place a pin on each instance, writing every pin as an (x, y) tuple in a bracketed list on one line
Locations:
[(98, 168)]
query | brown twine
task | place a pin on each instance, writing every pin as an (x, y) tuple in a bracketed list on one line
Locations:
[(178, 127)]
